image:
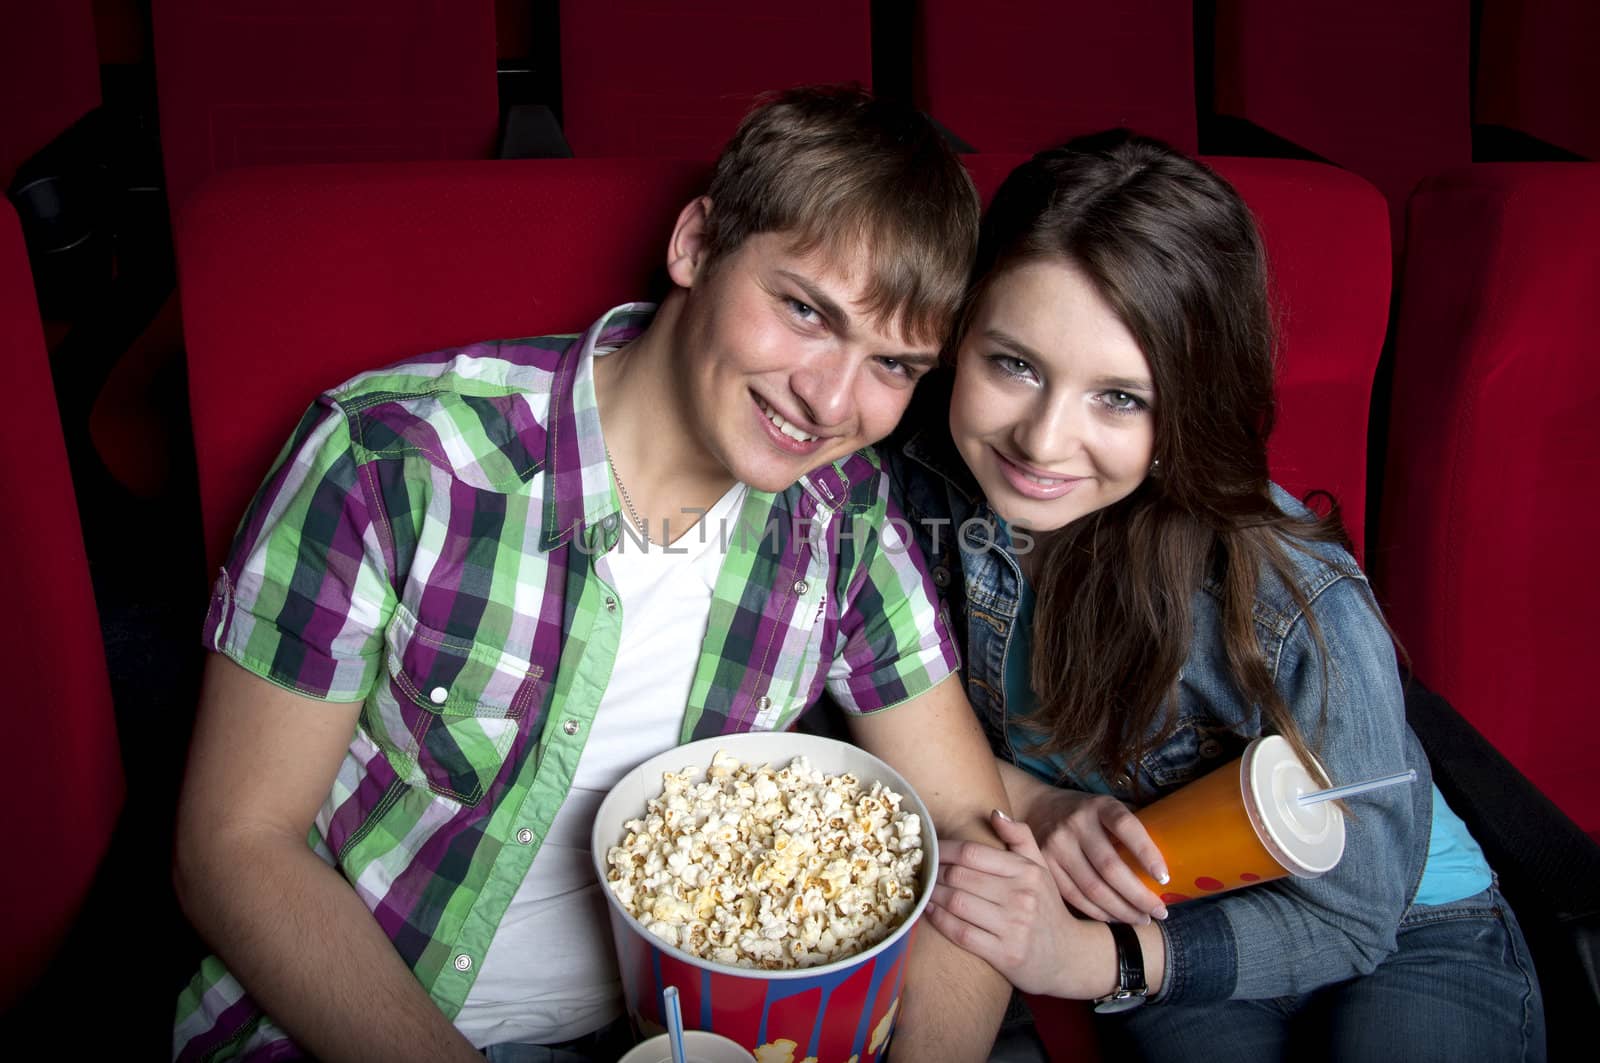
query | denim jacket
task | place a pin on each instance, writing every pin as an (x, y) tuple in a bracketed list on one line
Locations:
[(1280, 938)]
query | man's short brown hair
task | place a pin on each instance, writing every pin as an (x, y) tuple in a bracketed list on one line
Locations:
[(855, 175)]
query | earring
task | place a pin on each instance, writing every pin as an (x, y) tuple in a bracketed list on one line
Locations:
[(1155, 466)]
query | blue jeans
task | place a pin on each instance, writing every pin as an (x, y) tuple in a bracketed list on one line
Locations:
[(1461, 985)]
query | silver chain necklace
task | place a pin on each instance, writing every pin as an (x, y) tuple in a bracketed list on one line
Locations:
[(627, 500)]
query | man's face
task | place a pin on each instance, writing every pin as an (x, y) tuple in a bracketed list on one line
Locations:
[(783, 369)]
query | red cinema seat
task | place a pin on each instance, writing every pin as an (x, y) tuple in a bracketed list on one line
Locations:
[(1024, 75), (1489, 507), (294, 279), (64, 765), (1327, 239), (673, 80), (121, 31), (513, 28), (294, 81), (1536, 71), (49, 75), (1380, 87)]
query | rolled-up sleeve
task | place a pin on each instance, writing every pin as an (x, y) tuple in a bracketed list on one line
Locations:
[(305, 594), (894, 641)]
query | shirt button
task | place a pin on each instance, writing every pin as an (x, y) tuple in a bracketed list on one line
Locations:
[(571, 727), (763, 703), (438, 695), (800, 586), (611, 604), (610, 522), (525, 836), (941, 577), (463, 962), (1210, 747)]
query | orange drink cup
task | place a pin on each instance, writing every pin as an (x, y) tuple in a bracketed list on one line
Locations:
[(1240, 825)]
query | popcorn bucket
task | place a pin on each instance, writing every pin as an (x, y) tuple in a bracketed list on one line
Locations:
[(833, 1012)]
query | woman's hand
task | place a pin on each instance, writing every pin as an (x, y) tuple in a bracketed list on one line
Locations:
[(1003, 907), (1077, 831)]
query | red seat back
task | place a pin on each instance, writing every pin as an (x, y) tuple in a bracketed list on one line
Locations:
[(65, 772), (297, 81), (295, 279), (1537, 74), (1494, 450), (49, 75), (645, 78), (1380, 87), (1327, 240), (1024, 75), (306, 276)]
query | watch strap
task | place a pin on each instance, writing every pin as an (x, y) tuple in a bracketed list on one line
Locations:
[(1131, 985)]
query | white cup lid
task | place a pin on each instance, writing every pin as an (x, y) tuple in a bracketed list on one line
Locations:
[(1307, 840)]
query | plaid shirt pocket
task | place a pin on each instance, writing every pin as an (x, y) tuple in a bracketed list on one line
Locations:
[(451, 708)]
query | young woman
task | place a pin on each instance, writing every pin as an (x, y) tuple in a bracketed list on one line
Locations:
[(1138, 601)]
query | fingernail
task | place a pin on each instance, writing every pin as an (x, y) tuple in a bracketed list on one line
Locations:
[(1161, 912), (1161, 876), (1002, 815), (1144, 921)]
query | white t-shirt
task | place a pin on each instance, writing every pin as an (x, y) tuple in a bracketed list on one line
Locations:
[(550, 973)]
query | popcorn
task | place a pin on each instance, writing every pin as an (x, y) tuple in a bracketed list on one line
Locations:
[(769, 868)]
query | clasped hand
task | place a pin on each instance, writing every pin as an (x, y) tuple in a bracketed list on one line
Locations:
[(1007, 906)]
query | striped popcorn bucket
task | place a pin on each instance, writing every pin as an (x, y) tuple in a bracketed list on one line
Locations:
[(840, 1012)]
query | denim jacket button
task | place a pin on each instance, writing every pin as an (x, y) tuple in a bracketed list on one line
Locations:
[(1122, 781), (1210, 747), (941, 577)]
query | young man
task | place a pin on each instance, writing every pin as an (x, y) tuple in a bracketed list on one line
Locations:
[(484, 583)]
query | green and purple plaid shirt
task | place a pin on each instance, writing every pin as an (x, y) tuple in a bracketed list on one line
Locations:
[(426, 545)]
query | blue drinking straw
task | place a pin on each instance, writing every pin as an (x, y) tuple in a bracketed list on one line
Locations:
[(1336, 792), (674, 1011)]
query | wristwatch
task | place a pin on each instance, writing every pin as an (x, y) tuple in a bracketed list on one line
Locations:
[(1131, 986)]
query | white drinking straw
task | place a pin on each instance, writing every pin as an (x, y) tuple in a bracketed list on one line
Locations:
[(669, 997), (1336, 792)]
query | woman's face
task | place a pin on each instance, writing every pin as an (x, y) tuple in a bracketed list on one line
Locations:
[(1054, 405)]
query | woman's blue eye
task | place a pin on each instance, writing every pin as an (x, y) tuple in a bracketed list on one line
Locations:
[(1011, 366), (1123, 402)]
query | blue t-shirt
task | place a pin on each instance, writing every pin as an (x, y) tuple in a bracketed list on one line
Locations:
[(1455, 868)]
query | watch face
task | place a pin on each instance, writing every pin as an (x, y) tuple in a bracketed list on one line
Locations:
[(1119, 1001)]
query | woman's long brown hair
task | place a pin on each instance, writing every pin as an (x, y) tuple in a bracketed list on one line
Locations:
[(1174, 251)]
